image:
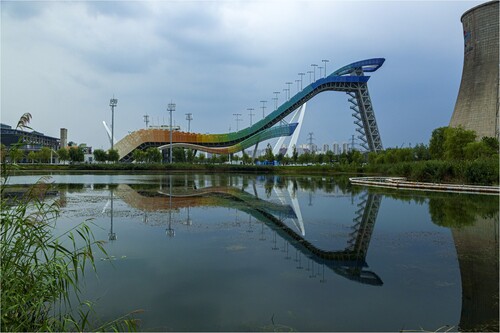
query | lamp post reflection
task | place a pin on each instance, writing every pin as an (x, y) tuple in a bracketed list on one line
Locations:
[(170, 231), (111, 235)]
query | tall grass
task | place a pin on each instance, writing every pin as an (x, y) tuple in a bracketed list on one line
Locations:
[(41, 272)]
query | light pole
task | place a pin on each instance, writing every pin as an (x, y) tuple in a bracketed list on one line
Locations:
[(325, 61), (310, 77), (314, 70), (171, 108), (298, 81), (189, 117), (301, 76), (288, 84), (320, 68), (263, 108), (251, 114), (276, 93), (237, 115), (112, 102), (146, 120)]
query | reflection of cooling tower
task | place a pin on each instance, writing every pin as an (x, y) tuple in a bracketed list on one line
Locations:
[(64, 137), (477, 103)]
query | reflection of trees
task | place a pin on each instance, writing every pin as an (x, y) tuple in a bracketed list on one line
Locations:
[(452, 210)]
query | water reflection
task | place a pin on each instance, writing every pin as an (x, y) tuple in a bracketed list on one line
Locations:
[(349, 262)]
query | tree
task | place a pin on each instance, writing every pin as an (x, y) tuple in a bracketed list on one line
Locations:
[(456, 138), (15, 154), (76, 154), (436, 144), (178, 155), (3, 152), (100, 155), (295, 154), (32, 156), (63, 154), (113, 155), (190, 155), (201, 158), (45, 154), (153, 155), (246, 159), (269, 156)]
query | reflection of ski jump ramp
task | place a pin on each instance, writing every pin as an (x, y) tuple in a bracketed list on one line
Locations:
[(349, 262)]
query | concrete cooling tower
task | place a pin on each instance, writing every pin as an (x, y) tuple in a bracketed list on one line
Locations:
[(477, 102)]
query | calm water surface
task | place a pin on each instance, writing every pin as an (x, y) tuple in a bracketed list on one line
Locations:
[(264, 253)]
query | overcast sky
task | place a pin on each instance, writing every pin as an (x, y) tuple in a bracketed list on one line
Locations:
[(62, 61)]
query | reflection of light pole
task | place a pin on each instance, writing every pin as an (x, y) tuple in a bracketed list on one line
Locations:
[(263, 108), (325, 61), (170, 230), (189, 117), (112, 102), (112, 235), (171, 108)]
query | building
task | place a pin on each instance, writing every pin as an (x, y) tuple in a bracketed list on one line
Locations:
[(30, 141), (336, 148), (477, 102)]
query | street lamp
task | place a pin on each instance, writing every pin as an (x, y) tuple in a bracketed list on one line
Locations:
[(171, 108), (325, 61), (237, 115), (263, 108), (301, 76), (320, 68), (189, 117), (112, 102), (276, 99), (314, 69), (310, 77), (288, 84), (251, 114)]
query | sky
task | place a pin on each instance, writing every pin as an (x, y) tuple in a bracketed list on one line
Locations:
[(63, 61)]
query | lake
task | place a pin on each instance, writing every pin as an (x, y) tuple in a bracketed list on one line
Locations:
[(229, 252)]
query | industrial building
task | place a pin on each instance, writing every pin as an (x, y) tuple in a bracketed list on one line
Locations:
[(477, 102)]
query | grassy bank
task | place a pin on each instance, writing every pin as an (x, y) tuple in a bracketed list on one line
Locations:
[(477, 172)]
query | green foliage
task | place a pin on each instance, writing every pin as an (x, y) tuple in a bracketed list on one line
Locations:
[(153, 155), (436, 144), (44, 154), (76, 154), (32, 156), (269, 156), (113, 155), (101, 156), (15, 154), (63, 154), (456, 139)]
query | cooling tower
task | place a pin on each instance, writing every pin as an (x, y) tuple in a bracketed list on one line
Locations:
[(477, 102)]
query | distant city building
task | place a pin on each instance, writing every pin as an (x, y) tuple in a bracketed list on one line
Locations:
[(336, 148), (326, 148), (345, 147)]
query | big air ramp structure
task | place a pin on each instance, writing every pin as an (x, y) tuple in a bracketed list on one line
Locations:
[(477, 102)]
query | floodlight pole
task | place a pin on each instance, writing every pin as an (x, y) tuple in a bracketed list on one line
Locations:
[(288, 84), (237, 115), (263, 108), (325, 61), (314, 70), (189, 117), (276, 99), (171, 108), (251, 114), (301, 76), (113, 102)]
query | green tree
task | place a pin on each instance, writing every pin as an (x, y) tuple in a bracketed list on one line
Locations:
[(178, 155), (32, 156), (113, 155), (436, 144), (76, 154), (456, 138), (45, 154), (153, 155), (63, 154), (15, 154), (269, 156), (478, 149), (201, 157), (295, 154), (246, 159), (190, 156), (100, 155)]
